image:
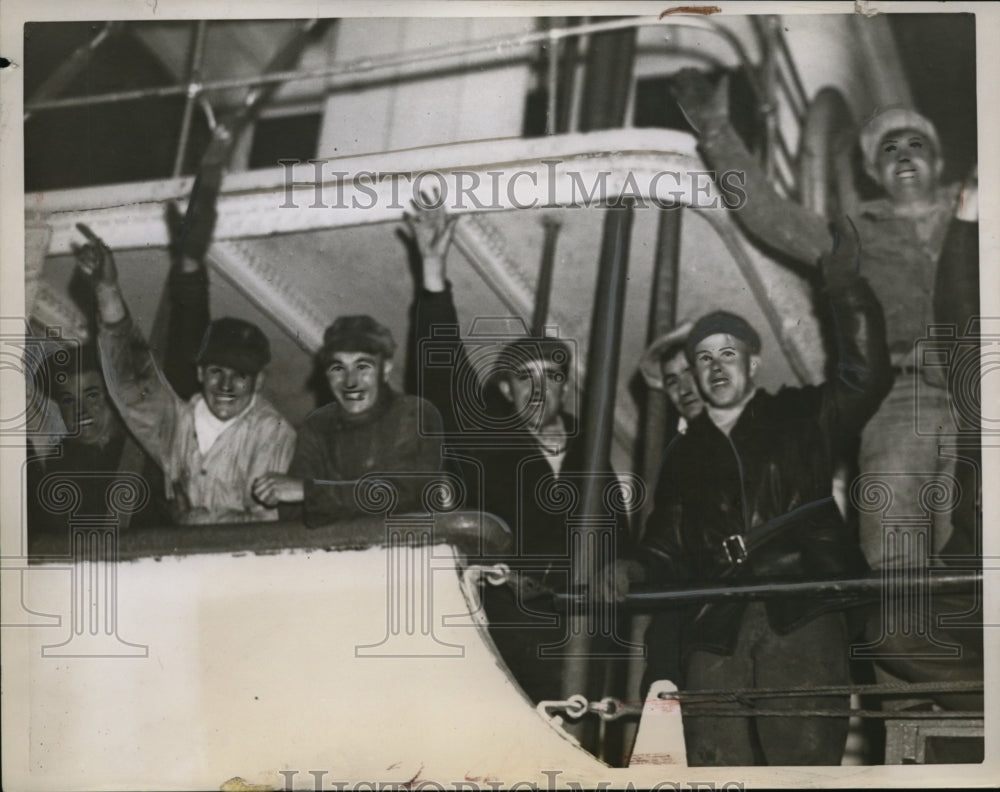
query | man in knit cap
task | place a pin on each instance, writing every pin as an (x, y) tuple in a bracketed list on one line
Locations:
[(368, 428), (902, 235), (213, 446)]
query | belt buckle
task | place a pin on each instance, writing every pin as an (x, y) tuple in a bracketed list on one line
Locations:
[(736, 548)]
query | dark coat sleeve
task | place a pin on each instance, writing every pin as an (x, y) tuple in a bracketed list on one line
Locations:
[(956, 287), (189, 318), (662, 548), (862, 376), (443, 369), (441, 358)]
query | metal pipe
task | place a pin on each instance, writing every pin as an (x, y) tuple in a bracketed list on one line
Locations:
[(870, 586), (588, 620), (793, 82), (495, 47), (609, 72), (71, 67), (798, 110), (603, 348), (767, 106), (609, 56), (194, 73), (662, 318), (552, 225), (552, 86), (567, 84), (792, 70)]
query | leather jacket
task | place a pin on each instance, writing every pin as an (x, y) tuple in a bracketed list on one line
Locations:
[(715, 491)]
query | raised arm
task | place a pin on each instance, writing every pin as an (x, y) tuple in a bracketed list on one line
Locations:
[(147, 404), (779, 223), (956, 286), (862, 374), (190, 237), (432, 232), (187, 286)]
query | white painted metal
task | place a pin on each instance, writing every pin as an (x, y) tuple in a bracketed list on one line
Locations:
[(256, 665), (660, 739)]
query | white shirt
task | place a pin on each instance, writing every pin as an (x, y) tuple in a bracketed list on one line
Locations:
[(207, 427)]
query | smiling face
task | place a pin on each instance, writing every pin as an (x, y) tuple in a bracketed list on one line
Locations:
[(227, 392), (679, 384), (535, 389), (907, 166), (356, 379), (724, 369), (86, 411)]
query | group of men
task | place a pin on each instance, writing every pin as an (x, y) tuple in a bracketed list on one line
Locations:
[(744, 491)]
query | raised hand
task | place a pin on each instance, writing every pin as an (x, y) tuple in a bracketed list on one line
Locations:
[(430, 228), (95, 259), (704, 104), (968, 199)]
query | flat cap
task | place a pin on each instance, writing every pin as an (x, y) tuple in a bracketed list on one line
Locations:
[(235, 344), (359, 333), (722, 322)]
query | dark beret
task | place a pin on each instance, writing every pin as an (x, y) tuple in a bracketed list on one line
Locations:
[(359, 333), (235, 344), (722, 322)]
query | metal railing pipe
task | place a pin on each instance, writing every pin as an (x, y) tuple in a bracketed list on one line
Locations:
[(499, 47), (860, 587)]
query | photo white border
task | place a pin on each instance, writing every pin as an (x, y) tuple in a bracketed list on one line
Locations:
[(15, 704)]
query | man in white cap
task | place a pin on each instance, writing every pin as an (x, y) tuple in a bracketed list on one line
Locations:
[(665, 367), (902, 235)]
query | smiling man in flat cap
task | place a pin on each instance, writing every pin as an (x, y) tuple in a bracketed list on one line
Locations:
[(745, 496), (368, 428), (212, 446)]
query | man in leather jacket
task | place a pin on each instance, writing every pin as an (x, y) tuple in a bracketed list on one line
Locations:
[(903, 232), (745, 495)]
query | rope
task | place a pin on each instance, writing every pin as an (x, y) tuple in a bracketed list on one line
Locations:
[(884, 688), (751, 712), (610, 708)]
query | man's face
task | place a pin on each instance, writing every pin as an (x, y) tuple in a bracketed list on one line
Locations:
[(227, 392), (535, 388), (678, 382), (724, 369), (356, 379), (907, 166), (83, 402)]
